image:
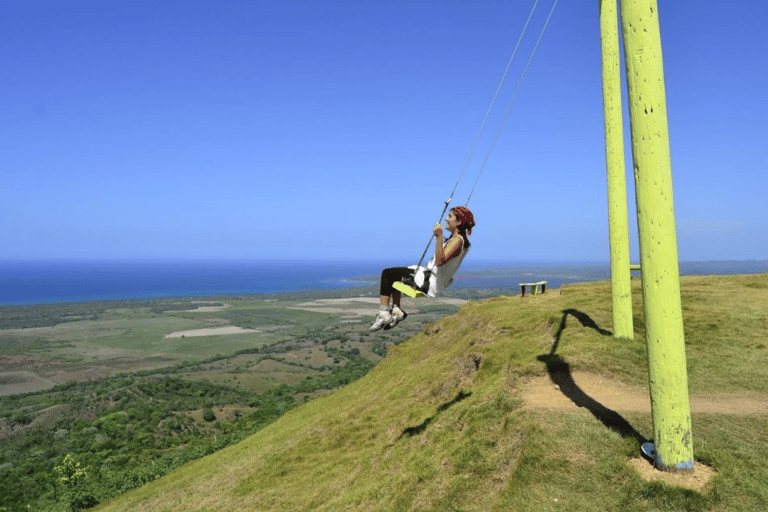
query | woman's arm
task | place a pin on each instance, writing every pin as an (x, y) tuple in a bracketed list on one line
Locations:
[(443, 254)]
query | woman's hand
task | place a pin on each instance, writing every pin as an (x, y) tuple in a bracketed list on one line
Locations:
[(451, 249), (438, 229)]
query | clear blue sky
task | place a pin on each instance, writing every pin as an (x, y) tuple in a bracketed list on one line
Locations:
[(327, 130)]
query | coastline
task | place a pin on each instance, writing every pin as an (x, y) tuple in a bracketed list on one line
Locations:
[(60, 282)]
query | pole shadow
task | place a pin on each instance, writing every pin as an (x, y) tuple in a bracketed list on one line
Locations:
[(418, 429), (560, 374)]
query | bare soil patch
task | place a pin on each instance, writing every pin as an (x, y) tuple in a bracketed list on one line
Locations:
[(696, 480), (210, 331), (207, 309), (541, 392)]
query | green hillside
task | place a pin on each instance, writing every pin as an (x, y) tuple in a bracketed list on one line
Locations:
[(445, 422)]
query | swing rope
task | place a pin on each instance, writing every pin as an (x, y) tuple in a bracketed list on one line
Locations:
[(512, 101), (479, 132)]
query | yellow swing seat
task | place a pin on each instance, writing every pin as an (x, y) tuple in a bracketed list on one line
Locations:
[(404, 288)]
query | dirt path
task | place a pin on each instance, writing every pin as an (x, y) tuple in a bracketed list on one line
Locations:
[(608, 398), (574, 392)]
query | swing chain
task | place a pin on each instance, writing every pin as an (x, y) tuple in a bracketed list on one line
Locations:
[(445, 208)]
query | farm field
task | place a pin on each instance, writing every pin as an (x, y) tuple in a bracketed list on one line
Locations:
[(96, 341)]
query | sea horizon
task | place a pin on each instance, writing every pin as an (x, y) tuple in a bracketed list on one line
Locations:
[(29, 282)]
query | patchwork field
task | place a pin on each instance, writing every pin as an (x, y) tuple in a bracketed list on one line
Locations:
[(89, 342)]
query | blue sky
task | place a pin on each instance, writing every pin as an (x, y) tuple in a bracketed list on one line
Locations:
[(333, 130)]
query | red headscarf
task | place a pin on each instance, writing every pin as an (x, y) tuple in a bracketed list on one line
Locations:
[(465, 217)]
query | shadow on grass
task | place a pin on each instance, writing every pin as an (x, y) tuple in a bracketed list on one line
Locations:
[(418, 429), (560, 374)]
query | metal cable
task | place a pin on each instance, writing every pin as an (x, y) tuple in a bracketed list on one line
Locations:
[(511, 103), (479, 132)]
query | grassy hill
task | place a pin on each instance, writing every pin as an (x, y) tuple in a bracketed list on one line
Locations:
[(445, 422)]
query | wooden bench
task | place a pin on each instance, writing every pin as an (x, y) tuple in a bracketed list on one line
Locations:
[(534, 287)]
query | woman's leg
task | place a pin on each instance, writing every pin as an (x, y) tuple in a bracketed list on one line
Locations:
[(386, 291), (388, 278), (396, 295)]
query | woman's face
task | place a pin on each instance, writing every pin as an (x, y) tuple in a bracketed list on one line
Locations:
[(451, 221)]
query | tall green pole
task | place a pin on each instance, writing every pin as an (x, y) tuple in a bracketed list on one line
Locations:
[(658, 242), (618, 231)]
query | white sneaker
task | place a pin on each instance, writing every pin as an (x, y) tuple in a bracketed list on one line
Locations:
[(398, 315), (382, 319)]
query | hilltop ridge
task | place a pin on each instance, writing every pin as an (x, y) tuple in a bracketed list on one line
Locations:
[(441, 423)]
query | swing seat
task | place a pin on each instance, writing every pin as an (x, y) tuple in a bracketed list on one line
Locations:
[(404, 288)]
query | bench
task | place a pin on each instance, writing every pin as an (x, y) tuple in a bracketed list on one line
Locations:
[(534, 287)]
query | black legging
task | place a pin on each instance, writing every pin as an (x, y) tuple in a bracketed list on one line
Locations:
[(390, 275)]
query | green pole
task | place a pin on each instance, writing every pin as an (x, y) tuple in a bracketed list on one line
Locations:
[(618, 231), (658, 242)]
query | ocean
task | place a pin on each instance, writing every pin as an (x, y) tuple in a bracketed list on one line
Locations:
[(40, 282)]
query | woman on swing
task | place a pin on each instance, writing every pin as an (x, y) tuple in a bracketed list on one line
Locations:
[(433, 279)]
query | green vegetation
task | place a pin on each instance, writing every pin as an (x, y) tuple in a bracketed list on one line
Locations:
[(442, 423), (117, 426), (105, 430)]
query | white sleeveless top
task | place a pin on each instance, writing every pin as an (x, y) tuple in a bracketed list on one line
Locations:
[(441, 277)]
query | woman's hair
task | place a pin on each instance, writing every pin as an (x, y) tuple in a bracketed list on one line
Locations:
[(466, 222)]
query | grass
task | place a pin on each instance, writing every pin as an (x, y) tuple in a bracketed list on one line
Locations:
[(439, 424), (108, 358)]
